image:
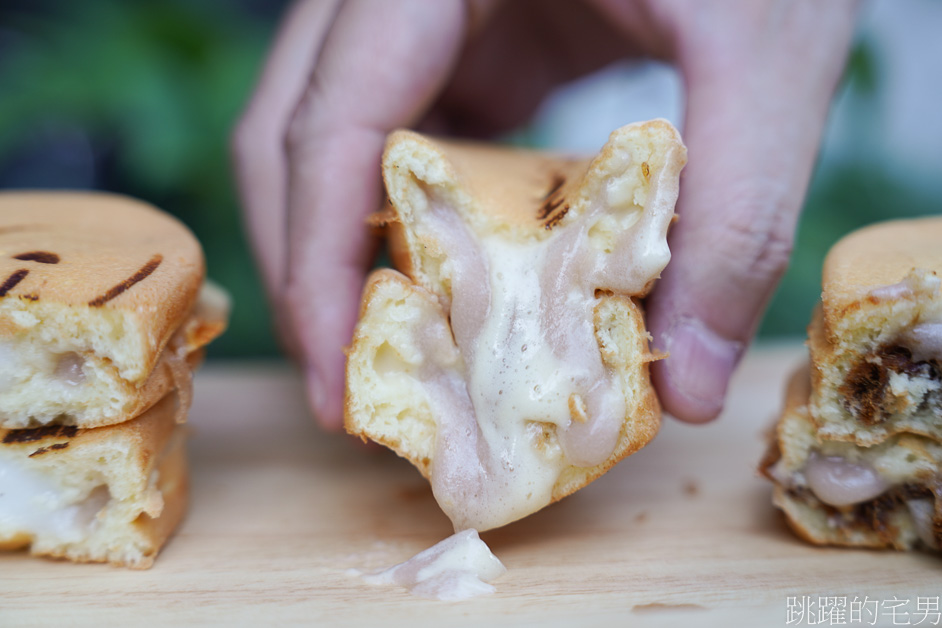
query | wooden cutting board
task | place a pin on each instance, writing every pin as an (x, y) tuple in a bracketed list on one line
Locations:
[(681, 533)]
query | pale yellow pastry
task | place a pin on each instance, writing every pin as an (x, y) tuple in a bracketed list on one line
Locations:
[(109, 494), (509, 362), (876, 341), (857, 455), (98, 308)]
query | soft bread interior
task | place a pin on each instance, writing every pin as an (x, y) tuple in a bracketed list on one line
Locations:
[(51, 370), (876, 341), (403, 330), (110, 494), (509, 364), (878, 367)]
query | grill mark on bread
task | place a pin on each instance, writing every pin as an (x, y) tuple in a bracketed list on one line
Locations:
[(43, 257), (552, 199), (556, 182), (556, 218), (143, 273), (11, 281), (549, 206), (53, 447), (33, 434), (864, 391)]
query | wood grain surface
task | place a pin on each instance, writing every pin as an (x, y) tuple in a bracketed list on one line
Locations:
[(682, 533)]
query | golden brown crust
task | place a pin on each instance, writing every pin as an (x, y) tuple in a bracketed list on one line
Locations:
[(101, 254), (145, 435), (524, 193), (174, 487), (124, 457), (516, 197), (514, 187), (882, 254)]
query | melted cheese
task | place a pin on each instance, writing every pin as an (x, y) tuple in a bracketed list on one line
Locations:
[(457, 568), (31, 503), (529, 394), (839, 482)]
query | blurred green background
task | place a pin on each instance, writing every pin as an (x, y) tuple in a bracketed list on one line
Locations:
[(139, 96)]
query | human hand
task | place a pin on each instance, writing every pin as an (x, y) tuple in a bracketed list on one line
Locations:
[(759, 76)]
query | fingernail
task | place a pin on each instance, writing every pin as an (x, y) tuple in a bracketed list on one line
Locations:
[(701, 362)]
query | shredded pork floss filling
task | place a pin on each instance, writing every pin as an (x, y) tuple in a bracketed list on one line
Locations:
[(525, 393)]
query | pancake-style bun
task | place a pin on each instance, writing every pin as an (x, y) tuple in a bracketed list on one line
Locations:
[(110, 494), (98, 308), (857, 456), (507, 357)]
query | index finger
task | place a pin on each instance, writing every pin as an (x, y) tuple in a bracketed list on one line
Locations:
[(381, 66)]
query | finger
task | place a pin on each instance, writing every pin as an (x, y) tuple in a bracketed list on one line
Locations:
[(528, 48), (381, 65), (756, 106), (258, 138)]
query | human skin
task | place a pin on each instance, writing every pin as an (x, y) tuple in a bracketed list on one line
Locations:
[(759, 76)]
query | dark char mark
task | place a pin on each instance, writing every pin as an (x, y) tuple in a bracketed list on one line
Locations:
[(552, 199), (137, 277), (43, 257), (52, 447), (556, 218), (12, 280), (556, 182), (38, 433)]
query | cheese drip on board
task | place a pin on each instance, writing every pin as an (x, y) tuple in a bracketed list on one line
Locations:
[(458, 568)]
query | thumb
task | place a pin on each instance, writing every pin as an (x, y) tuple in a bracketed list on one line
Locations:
[(755, 112)]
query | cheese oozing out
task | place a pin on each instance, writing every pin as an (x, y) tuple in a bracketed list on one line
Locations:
[(925, 341), (840, 482), (522, 392), (32, 503), (457, 568)]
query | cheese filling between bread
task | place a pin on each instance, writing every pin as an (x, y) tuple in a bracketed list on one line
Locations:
[(863, 488), (32, 503), (840, 482), (530, 394), (20, 361)]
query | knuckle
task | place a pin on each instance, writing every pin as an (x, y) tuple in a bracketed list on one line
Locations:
[(764, 252), (759, 234)]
